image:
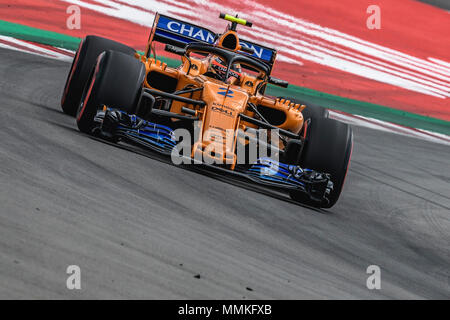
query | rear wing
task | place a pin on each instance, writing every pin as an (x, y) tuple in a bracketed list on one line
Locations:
[(179, 33)]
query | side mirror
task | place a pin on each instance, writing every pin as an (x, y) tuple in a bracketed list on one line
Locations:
[(278, 82), (176, 50)]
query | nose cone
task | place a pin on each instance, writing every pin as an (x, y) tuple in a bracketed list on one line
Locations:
[(222, 94), (224, 104)]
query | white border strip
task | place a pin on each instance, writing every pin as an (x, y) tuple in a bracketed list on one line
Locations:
[(22, 46), (390, 127)]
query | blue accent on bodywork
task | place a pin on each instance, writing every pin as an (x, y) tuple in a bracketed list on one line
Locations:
[(187, 32), (225, 92), (152, 133), (272, 170), (260, 52), (162, 138)]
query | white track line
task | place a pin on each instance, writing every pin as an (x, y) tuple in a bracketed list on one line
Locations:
[(24, 46), (390, 127)]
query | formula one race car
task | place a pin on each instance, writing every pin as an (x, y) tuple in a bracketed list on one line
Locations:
[(211, 110)]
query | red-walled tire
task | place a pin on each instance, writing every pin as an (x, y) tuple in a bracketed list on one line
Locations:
[(313, 112), (83, 62), (115, 81), (328, 149)]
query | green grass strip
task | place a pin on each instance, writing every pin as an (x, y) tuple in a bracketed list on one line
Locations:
[(23, 32)]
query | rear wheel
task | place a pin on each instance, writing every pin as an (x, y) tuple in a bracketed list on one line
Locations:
[(314, 112), (327, 149), (83, 62), (115, 81)]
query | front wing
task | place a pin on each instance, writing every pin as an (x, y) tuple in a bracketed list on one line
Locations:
[(115, 125)]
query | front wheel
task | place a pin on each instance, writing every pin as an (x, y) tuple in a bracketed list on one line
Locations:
[(115, 81), (328, 149), (82, 64)]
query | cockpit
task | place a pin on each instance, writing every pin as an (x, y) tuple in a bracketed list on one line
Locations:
[(224, 64)]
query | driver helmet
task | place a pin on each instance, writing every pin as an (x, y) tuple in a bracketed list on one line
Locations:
[(218, 67)]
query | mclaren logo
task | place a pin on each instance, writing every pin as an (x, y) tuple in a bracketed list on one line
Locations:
[(225, 92)]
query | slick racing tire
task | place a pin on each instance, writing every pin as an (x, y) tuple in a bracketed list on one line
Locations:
[(85, 58), (328, 148), (115, 81), (314, 112)]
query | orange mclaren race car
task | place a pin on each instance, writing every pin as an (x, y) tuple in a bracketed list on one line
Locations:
[(211, 110)]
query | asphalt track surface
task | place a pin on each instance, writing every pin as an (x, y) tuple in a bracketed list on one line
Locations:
[(139, 227)]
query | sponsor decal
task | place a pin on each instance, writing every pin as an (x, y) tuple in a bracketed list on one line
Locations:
[(259, 52), (225, 92), (221, 110), (190, 33), (186, 29)]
